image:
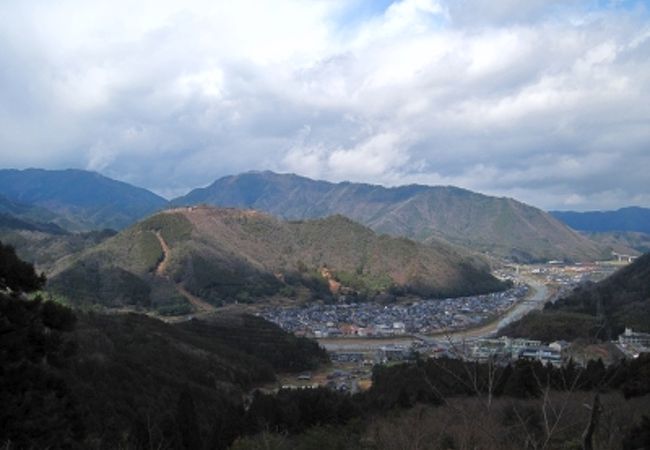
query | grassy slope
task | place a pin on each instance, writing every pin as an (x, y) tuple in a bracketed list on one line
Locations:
[(501, 226), (226, 255)]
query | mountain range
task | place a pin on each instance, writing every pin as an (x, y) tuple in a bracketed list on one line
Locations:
[(77, 200), (214, 256), (501, 227), (632, 218)]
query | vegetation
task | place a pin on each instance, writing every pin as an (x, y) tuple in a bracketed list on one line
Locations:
[(87, 380), (594, 311), (502, 227), (15, 274), (174, 228), (51, 251), (225, 256), (623, 242), (549, 326)]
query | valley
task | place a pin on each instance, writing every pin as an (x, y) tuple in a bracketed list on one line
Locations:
[(253, 315), (325, 225)]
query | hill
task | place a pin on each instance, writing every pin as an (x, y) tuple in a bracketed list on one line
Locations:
[(623, 242), (77, 200), (601, 310), (47, 247), (73, 380), (220, 256), (500, 226), (76, 380), (625, 219)]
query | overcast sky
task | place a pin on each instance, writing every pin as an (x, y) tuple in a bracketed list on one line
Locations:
[(542, 100)]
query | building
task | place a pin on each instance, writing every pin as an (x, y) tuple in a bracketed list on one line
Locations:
[(630, 337), (542, 353)]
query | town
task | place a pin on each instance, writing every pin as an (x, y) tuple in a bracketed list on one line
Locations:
[(359, 336), (377, 320)]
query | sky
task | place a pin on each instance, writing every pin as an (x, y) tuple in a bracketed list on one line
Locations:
[(546, 101)]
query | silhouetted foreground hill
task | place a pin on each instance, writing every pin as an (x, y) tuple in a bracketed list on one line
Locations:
[(632, 218), (500, 226), (601, 310), (74, 380), (227, 255), (69, 378), (78, 200)]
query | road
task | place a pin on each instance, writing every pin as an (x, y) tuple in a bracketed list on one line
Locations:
[(539, 295)]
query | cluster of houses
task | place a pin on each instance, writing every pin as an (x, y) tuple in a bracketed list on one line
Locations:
[(377, 320)]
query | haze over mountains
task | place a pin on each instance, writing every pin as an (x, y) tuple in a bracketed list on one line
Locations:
[(625, 219)]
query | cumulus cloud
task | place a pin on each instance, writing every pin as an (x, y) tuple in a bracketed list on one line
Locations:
[(545, 101)]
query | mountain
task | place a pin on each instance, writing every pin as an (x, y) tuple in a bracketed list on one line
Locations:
[(10, 222), (78, 200), (499, 226), (623, 242), (47, 246), (210, 256), (31, 214), (602, 310), (625, 219)]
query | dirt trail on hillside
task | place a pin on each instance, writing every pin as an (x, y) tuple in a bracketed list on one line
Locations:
[(162, 265), (201, 306)]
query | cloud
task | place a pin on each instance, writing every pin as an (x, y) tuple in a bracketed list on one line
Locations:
[(545, 101)]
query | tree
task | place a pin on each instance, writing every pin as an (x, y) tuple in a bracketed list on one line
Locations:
[(187, 422), (17, 275)]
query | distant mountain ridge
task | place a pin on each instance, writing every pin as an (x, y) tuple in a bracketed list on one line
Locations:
[(77, 200), (225, 255), (500, 226), (632, 218)]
